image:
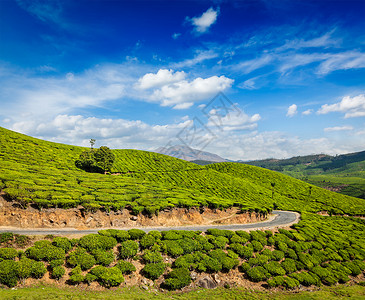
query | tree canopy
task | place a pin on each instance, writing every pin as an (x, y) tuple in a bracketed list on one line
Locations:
[(96, 160)]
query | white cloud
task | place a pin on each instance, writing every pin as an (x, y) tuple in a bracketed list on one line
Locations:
[(161, 78), (49, 96), (292, 110), (206, 20), (191, 91), (274, 144), (115, 133), (173, 89), (307, 112), (198, 58), (135, 134), (342, 61), (338, 128), (254, 64), (352, 107), (324, 41), (235, 120)]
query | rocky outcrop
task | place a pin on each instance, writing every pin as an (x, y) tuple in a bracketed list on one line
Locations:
[(12, 215)]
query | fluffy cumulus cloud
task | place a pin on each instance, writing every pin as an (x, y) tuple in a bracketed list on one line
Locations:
[(292, 110), (161, 78), (234, 120), (307, 112), (351, 106), (173, 89), (201, 24)]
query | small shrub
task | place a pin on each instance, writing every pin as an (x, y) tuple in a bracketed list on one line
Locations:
[(136, 234), (219, 242), (220, 232), (257, 246), (128, 249), (257, 274), (81, 258), (243, 234), (56, 263), (289, 265), (278, 255), (38, 269), (238, 239), (95, 241), (6, 237), (353, 267), (108, 277), (290, 283), (156, 234), (274, 268), (177, 279), (90, 278), (153, 271), (126, 267), (173, 248), (119, 235), (245, 267), (152, 257), (306, 278), (147, 241), (229, 263), (58, 272), (8, 253), (291, 254), (104, 258), (262, 259), (9, 273), (63, 243), (276, 281)]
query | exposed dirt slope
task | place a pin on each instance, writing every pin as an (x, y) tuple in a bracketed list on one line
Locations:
[(14, 216)]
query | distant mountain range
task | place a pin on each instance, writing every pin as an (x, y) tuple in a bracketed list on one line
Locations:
[(190, 154)]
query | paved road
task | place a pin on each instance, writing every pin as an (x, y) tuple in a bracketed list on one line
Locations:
[(279, 219)]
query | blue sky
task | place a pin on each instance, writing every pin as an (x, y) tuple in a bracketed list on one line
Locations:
[(246, 79)]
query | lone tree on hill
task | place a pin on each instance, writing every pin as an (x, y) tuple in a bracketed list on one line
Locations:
[(104, 158), (92, 143), (100, 160)]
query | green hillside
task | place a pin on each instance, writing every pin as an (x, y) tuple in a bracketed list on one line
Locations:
[(343, 173), (43, 174)]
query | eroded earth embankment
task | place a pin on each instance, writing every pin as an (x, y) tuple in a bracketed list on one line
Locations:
[(13, 216)]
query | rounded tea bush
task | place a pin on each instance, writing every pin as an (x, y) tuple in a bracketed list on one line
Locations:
[(58, 272), (126, 267), (9, 273), (136, 234), (80, 257), (128, 249), (63, 243), (257, 274), (8, 253), (153, 271), (177, 279)]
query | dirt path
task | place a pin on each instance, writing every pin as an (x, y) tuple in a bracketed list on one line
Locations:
[(277, 219)]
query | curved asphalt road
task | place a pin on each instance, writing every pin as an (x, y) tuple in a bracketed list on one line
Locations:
[(279, 219)]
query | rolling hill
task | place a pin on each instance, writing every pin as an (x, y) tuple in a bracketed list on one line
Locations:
[(342, 173), (43, 174)]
